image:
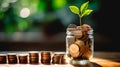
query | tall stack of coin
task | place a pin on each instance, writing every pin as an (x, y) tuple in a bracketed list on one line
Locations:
[(46, 57), (12, 58), (34, 57), (3, 59), (58, 58), (23, 58)]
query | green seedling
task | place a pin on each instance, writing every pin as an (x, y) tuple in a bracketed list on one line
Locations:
[(82, 11)]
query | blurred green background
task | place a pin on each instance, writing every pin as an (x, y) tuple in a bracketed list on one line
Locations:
[(28, 15), (41, 24)]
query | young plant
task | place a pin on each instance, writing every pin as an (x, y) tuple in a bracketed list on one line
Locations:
[(82, 11)]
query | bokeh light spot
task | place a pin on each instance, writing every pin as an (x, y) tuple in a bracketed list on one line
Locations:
[(25, 12)]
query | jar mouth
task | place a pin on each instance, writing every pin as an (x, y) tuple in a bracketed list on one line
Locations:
[(71, 29)]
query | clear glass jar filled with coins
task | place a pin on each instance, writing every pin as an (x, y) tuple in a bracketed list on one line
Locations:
[(79, 44)]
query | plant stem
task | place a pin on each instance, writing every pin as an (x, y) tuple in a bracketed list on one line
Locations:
[(80, 20)]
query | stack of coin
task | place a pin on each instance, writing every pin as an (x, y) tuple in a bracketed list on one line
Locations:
[(12, 58), (34, 57), (3, 59), (46, 57), (58, 58), (23, 58)]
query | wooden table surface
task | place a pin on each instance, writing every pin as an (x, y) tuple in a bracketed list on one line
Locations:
[(100, 59)]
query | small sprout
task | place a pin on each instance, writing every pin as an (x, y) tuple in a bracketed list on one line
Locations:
[(83, 11)]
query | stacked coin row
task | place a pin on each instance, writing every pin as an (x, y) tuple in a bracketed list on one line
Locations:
[(45, 57)]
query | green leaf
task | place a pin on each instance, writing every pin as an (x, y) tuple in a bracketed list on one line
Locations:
[(83, 7), (87, 12), (74, 9)]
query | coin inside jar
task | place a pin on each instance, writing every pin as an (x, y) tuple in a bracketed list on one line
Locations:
[(86, 27), (80, 43), (78, 33), (74, 50), (72, 26)]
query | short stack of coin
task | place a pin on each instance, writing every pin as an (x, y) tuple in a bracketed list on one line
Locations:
[(58, 58), (12, 58), (34, 57), (23, 58), (46, 57), (3, 59)]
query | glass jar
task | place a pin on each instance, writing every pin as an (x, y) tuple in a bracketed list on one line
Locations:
[(79, 44)]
